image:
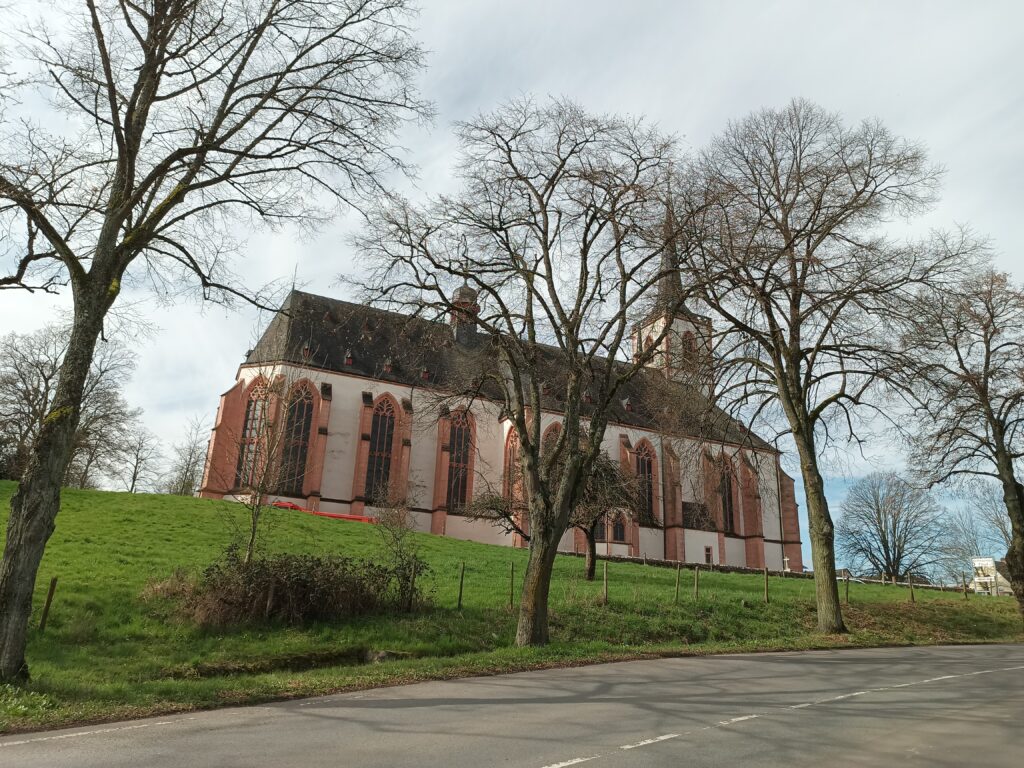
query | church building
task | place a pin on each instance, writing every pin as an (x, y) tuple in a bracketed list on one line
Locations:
[(359, 395)]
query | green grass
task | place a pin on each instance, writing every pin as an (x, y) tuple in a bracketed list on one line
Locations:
[(109, 654)]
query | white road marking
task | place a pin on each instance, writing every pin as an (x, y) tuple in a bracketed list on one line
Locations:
[(572, 762), (844, 696), (96, 732), (737, 719), (564, 764), (655, 740)]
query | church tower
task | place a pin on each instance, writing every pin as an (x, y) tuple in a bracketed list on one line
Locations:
[(686, 345)]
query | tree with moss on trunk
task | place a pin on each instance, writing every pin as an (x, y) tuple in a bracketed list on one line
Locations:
[(181, 126), (30, 365), (548, 252), (781, 238)]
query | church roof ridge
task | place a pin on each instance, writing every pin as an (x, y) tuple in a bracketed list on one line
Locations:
[(372, 342)]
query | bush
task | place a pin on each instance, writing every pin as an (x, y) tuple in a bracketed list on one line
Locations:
[(295, 589)]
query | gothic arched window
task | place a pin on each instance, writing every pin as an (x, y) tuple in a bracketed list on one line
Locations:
[(460, 459), (295, 446), (550, 437), (254, 424), (618, 528), (645, 457), (726, 495), (382, 441)]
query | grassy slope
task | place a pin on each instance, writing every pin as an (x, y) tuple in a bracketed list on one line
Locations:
[(108, 654)]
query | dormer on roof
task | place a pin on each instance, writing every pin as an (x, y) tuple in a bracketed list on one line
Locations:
[(464, 315)]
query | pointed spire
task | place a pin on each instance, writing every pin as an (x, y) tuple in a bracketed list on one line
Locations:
[(670, 294)]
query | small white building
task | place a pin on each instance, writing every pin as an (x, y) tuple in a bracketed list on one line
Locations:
[(990, 576)]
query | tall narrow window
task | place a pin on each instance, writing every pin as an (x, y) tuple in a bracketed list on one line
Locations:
[(645, 475), (725, 488), (253, 437), (460, 460), (382, 440), (612, 523), (295, 446), (689, 343)]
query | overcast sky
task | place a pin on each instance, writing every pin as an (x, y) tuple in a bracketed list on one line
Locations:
[(950, 74)]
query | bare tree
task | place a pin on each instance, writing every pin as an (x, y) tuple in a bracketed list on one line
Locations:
[(29, 376), (138, 464), (961, 364), (987, 505), (546, 254), (188, 456), (269, 465), (188, 122), (779, 222), (612, 494), (99, 440), (969, 534), (891, 526)]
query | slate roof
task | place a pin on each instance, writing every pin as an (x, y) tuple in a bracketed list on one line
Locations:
[(364, 341)]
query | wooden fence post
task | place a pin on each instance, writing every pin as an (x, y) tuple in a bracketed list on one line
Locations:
[(679, 570), (766, 585), (511, 584), (910, 581), (46, 605), (963, 577), (412, 586), (606, 582), (696, 581), (847, 580), (462, 578)]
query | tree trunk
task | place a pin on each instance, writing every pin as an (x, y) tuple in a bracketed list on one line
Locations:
[(35, 505), (1013, 496), (591, 554), (533, 606), (254, 520), (826, 588)]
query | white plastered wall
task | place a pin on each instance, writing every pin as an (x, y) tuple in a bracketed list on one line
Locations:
[(695, 543), (343, 440)]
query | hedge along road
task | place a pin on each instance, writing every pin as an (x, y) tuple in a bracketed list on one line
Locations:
[(934, 706)]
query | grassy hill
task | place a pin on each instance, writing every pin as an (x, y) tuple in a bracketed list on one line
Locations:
[(107, 653)]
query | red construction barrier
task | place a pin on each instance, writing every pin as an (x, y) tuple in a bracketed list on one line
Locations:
[(332, 515)]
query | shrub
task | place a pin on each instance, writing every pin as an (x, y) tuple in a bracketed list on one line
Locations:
[(296, 589)]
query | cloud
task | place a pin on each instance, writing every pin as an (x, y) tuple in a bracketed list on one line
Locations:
[(945, 73)]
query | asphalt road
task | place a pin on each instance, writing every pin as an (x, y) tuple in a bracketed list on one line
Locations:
[(949, 706)]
